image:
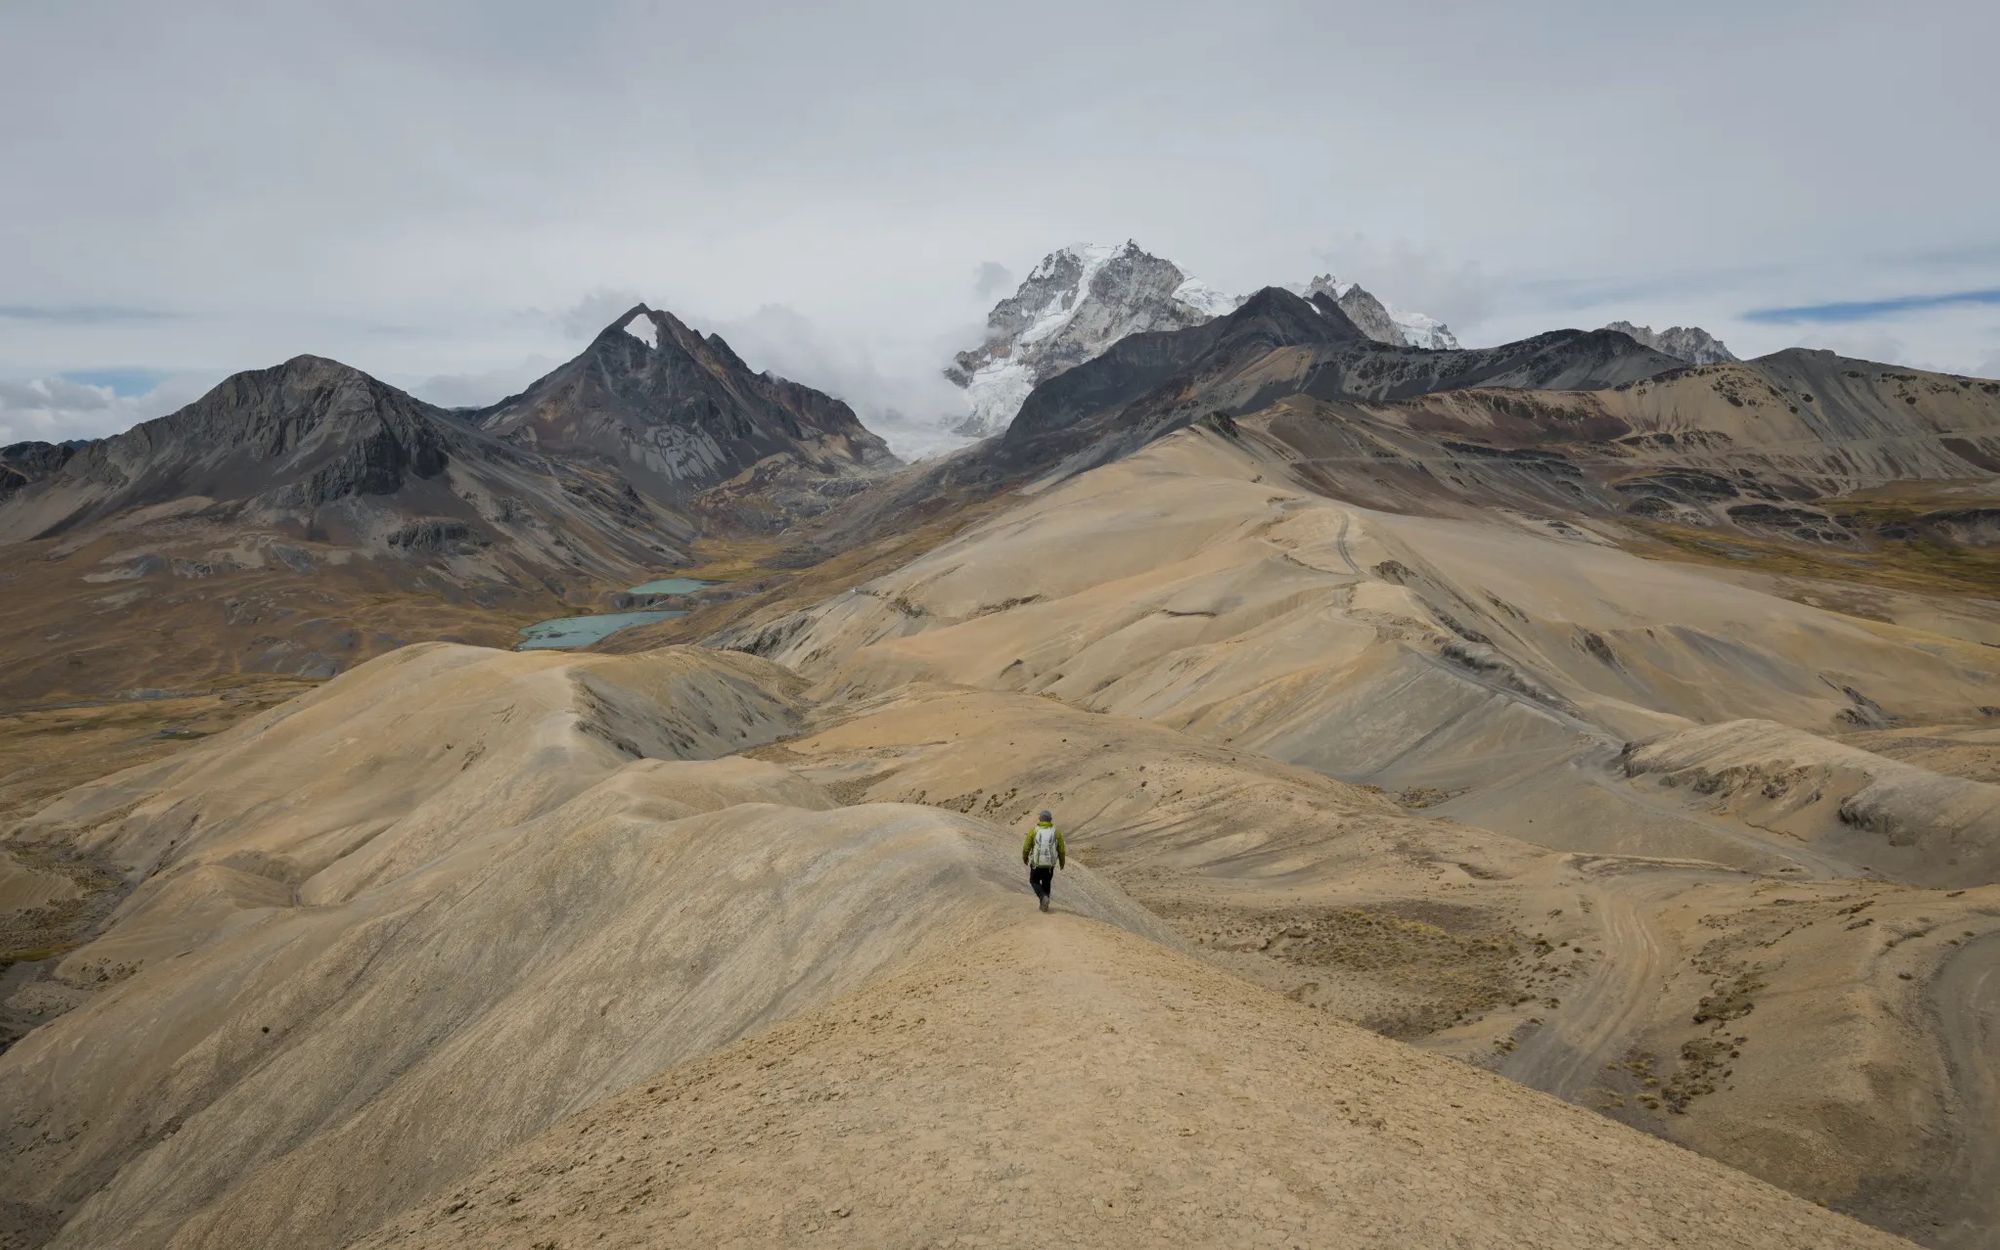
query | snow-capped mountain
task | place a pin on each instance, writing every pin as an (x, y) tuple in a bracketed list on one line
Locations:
[(1081, 299), (1690, 343), (1077, 302), (1421, 331), (1378, 320)]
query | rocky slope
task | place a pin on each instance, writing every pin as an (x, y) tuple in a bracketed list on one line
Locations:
[(1377, 320), (1076, 303), (23, 463), (1787, 447), (675, 413), (1690, 343), (1278, 344), (298, 518)]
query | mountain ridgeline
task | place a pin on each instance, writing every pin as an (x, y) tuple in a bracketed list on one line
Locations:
[(313, 493), (1081, 300), (1600, 720), (677, 412)]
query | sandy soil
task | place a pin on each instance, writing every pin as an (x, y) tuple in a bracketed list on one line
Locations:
[(474, 947), (1063, 1084), (1494, 672)]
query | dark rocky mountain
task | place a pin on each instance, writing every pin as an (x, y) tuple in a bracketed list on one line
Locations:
[(1279, 344), (1560, 360), (1376, 320), (23, 463), (295, 437), (1573, 421), (302, 517), (1135, 391), (675, 413), (1276, 345), (1081, 300)]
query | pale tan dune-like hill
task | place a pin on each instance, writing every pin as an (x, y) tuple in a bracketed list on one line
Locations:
[(1065, 1083), (1798, 1029), (329, 1009), (330, 1022), (1190, 585), (1699, 919)]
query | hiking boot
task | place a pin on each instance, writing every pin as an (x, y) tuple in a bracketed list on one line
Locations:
[(1045, 903)]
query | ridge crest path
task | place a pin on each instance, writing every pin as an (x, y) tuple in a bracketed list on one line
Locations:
[(1067, 1083)]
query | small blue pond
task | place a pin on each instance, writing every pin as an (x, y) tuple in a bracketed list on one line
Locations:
[(670, 586), (581, 631)]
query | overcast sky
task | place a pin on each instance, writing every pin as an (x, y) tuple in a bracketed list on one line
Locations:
[(453, 195)]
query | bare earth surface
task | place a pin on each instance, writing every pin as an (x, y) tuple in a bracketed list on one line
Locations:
[(1062, 1084), (1437, 878)]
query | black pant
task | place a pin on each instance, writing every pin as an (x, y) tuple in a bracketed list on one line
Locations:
[(1043, 879)]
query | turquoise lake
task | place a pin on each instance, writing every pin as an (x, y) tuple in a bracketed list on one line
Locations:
[(581, 631)]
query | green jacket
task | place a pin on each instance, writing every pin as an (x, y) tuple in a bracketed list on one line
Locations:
[(1028, 846)]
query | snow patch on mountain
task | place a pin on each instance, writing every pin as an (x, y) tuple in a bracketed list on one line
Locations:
[(1076, 303), (1200, 295), (996, 392), (1421, 331), (1081, 299)]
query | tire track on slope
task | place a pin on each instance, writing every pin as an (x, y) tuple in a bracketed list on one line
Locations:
[(1562, 1057), (1965, 996)]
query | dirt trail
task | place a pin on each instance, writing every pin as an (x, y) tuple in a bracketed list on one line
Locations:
[(1598, 1017), (1966, 997), (1069, 1084)]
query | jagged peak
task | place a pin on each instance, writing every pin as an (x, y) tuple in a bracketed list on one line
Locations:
[(1087, 255), (1690, 343)]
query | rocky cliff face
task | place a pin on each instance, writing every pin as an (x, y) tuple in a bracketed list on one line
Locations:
[(298, 518), (1081, 300), (1690, 343), (1377, 320), (23, 463), (291, 438), (677, 412)]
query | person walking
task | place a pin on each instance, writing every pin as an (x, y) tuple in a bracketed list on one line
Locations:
[(1043, 853)]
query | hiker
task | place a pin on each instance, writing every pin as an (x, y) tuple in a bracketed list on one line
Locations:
[(1043, 853)]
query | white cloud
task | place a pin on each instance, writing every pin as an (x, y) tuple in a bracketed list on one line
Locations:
[(480, 388), (993, 279), (897, 389), (1861, 343), (1459, 293), (54, 409), (388, 184), (586, 318)]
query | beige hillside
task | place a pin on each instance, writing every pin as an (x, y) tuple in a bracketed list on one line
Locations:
[(1437, 874), (1066, 1083), (1706, 900)]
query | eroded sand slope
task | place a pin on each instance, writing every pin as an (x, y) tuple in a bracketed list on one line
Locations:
[(1737, 915), (334, 996), (471, 947), (1064, 1083)]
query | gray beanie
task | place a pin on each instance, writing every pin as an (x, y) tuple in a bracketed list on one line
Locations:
[(1045, 814)]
